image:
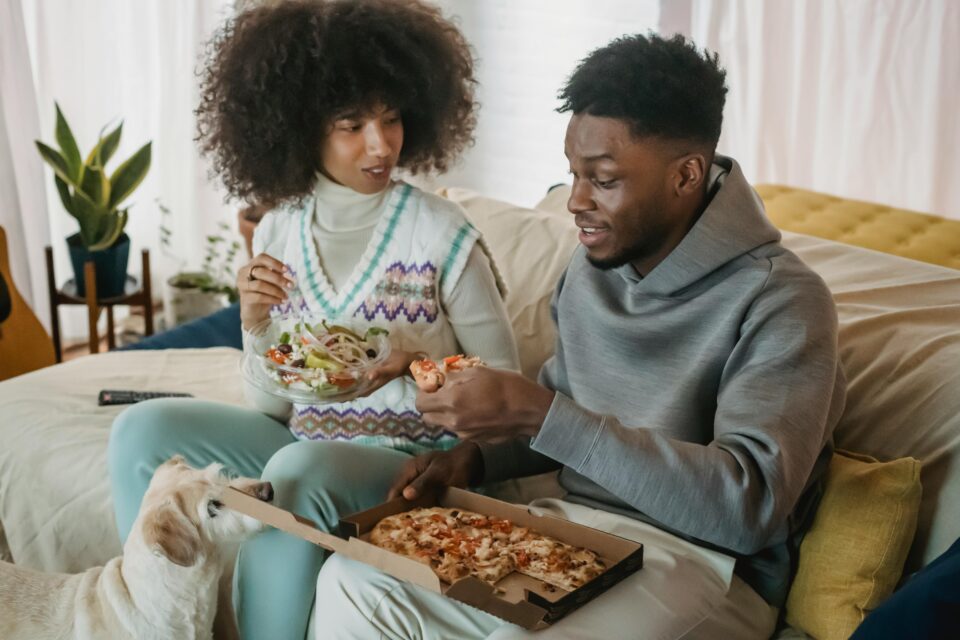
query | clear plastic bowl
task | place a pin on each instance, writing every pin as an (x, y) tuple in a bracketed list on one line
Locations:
[(304, 385)]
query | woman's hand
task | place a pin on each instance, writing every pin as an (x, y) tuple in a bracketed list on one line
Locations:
[(461, 466), (396, 365), (262, 283)]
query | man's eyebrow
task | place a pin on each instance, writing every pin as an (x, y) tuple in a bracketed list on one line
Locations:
[(597, 158)]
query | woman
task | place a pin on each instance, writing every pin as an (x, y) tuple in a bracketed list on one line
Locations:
[(312, 106)]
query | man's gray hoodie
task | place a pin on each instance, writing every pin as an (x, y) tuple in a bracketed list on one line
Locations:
[(701, 398)]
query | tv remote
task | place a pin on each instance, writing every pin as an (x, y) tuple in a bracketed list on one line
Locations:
[(123, 396)]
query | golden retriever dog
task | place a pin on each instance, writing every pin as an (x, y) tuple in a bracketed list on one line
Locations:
[(164, 586)]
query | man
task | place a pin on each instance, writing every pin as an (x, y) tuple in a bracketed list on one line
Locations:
[(694, 389)]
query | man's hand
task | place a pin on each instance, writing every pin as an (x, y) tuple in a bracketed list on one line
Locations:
[(487, 404), (462, 466)]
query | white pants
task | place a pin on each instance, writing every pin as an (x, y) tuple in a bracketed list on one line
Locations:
[(682, 591)]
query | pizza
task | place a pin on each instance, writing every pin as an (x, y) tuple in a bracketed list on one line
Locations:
[(430, 375), (456, 543)]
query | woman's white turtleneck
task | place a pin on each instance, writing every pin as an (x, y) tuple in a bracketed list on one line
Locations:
[(343, 223)]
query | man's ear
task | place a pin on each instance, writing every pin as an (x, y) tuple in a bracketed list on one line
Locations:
[(690, 174), (169, 533)]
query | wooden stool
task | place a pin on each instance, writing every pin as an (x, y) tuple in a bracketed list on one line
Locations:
[(134, 294)]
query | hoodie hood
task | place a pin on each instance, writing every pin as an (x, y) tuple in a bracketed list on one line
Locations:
[(733, 224)]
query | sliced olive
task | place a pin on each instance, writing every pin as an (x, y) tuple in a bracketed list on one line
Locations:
[(299, 363), (371, 353), (285, 348)]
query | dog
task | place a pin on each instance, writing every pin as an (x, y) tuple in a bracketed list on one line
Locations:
[(163, 587)]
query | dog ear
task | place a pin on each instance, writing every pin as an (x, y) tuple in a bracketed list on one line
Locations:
[(176, 459), (168, 532)]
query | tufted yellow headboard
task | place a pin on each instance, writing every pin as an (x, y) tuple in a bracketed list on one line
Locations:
[(909, 234)]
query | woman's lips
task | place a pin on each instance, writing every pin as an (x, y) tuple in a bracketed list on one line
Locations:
[(377, 173)]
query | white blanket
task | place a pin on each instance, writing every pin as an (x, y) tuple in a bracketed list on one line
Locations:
[(55, 504)]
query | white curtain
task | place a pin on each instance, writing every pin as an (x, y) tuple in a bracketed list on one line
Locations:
[(857, 98), (853, 97), (526, 51), (111, 60), (23, 207)]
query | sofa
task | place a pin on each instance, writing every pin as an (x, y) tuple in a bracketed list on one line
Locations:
[(899, 342)]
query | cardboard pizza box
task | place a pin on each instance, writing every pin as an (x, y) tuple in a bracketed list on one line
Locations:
[(520, 599)]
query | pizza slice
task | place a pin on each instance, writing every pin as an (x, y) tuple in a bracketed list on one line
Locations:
[(555, 562), (430, 375), (427, 375)]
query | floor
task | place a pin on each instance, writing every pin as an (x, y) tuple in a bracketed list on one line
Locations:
[(129, 330)]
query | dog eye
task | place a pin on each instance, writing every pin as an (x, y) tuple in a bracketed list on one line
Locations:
[(213, 508)]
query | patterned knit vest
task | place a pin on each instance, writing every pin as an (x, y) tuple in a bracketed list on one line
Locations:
[(417, 252)]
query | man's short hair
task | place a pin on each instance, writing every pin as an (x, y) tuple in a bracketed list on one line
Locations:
[(664, 88)]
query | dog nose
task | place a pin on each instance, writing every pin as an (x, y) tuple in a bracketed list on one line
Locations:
[(265, 491)]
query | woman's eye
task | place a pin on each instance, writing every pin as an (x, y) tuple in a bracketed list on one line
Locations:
[(348, 126)]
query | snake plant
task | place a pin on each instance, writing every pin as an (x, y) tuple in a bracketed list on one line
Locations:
[(86, 191)]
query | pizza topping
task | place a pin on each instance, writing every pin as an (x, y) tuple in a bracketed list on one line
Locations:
[(457, 543)]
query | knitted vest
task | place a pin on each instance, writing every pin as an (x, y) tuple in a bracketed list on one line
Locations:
[(417, 252)]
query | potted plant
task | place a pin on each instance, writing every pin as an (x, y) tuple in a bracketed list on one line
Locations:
[(197, 293), (94, 199)]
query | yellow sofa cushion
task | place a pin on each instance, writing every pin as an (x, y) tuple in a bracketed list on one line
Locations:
[(908, 234), (853, 555)]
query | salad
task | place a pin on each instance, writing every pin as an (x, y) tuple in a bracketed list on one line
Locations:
[(324, 359)]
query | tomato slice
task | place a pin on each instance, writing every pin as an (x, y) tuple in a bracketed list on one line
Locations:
[(522, 558), (451, 360), (343, 382), (276, 356)]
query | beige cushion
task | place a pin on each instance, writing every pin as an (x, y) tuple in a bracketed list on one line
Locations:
[(531, 249), (900, 345)]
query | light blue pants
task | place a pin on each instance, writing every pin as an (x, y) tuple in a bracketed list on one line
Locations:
[(276, 572)]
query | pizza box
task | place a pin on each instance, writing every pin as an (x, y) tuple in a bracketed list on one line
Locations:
[(520, 599)]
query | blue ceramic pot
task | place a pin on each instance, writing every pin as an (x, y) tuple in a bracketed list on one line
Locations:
[(111, 265)]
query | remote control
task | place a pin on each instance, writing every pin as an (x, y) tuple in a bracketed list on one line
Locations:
[(123, 396)]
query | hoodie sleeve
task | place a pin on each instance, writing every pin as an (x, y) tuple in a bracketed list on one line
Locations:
[(780, 394)]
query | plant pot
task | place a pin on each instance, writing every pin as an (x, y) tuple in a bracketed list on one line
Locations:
[(185, 303), (110, 263)]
